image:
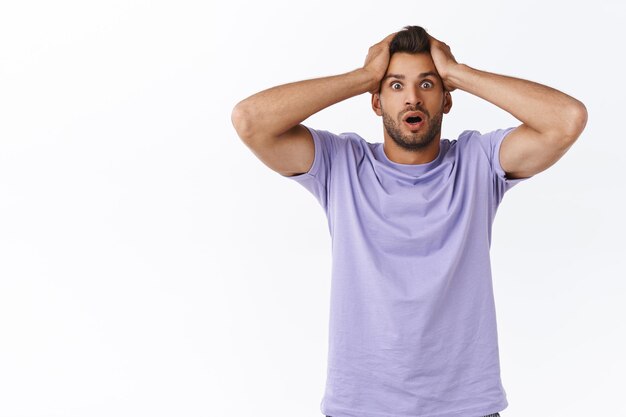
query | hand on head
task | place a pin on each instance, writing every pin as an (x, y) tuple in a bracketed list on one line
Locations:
[(444, 61), (378, 56), (377, 61)]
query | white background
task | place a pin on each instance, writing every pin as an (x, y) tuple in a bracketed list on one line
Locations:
[(151, 265)]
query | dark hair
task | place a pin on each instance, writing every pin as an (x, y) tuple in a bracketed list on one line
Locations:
[(412, 39)]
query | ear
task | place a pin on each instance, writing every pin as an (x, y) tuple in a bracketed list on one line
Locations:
[(447, 102), (376, 105)]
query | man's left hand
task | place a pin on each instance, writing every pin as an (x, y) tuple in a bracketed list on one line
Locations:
[(444, 61)]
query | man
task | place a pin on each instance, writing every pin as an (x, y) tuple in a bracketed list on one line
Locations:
[(412, 321)]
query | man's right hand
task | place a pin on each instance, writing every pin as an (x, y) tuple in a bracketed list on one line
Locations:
[(274, 116), (377, 61)]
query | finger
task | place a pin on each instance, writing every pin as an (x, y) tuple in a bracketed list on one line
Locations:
[(388, 38), (433, 39)]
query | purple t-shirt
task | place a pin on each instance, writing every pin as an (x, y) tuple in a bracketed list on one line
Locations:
[(412, 329)]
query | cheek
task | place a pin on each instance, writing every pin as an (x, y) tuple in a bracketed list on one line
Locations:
[(387, 103)]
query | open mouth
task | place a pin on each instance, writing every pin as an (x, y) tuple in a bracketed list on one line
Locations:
[(413, 120)]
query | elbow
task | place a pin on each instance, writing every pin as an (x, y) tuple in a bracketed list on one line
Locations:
[(575, 120), (240, 118)]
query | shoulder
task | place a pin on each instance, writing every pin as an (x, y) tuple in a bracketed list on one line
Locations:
[(352, 137), (485, 142), (346, 141), (336, 138), (469, 137)]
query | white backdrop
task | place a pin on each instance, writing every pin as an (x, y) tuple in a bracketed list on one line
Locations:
[(151, 265)]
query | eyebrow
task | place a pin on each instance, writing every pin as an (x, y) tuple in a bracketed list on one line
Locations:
[(402, 76)]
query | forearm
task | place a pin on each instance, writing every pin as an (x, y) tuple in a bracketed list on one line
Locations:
[(274, 111), (544, 109)]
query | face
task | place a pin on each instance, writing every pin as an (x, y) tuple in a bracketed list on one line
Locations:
[(412, 88)]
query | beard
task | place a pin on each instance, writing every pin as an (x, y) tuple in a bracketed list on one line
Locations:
[(413, 141)]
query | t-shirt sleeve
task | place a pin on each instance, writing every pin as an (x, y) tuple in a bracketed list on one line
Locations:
[(317, 179), (491, 142)]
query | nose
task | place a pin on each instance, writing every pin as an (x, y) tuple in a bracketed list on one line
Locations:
[(413, 97)]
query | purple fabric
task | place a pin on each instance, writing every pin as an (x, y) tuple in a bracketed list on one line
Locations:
[(412, 329)]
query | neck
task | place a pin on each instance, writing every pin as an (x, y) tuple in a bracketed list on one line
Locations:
[(402, 155)]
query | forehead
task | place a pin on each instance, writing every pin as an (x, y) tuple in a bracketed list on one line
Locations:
[(411, 65)]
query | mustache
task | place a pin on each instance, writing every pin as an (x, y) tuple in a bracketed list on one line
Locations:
[(415, 108)]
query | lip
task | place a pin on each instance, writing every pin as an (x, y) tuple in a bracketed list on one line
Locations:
[(415, 126), (413, 114)]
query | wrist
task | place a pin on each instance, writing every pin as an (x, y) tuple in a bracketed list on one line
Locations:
[(456, 75), (367, 79)]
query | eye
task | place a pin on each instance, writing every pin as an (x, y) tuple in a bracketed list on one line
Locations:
[(427, 84), (395, 83)]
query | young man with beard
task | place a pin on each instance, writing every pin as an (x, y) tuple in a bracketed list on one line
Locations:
[(412, 317)]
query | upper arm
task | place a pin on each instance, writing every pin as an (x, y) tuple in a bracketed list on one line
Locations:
[(289, 154), (524, 152)]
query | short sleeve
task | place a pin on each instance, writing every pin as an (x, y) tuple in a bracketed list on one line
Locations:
[(317, 179), (491, 143)]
